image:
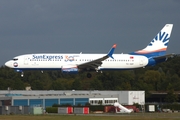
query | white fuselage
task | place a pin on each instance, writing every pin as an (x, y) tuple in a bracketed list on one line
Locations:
[(56, 61)]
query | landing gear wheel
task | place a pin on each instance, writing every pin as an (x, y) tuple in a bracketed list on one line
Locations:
[(89, 75), (22, 74)]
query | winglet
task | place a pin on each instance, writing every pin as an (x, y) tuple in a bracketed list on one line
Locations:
[(110, 53)]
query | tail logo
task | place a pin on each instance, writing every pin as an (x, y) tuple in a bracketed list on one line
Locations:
[(159, 44), (161, 39)]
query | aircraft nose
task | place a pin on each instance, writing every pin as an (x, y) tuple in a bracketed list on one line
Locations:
[(8, 64)]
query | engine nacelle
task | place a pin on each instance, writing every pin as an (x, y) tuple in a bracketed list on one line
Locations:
[(69, 69)]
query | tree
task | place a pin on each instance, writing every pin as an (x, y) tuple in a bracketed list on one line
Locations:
[(175, 80), (171, 97), (37, 85), (18, 84), (96, 84), (76, 85), (152, 77), (57, 85)]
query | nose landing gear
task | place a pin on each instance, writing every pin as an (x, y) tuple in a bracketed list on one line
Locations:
[(22, 74)]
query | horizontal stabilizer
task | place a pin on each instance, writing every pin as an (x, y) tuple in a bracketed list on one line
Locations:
[(163, 57)]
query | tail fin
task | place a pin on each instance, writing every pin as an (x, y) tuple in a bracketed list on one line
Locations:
[(158, 46)]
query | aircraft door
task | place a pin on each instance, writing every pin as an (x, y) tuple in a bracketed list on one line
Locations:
[(25, 60)]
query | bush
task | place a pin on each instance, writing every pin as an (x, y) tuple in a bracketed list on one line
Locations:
[(52, 109), (96, 108), (87, 104), (55, 105), (173, 106)]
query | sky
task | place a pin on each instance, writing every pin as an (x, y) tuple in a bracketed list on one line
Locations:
[(87, 26)]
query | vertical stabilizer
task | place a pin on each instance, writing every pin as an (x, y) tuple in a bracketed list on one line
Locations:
[(158, 46)]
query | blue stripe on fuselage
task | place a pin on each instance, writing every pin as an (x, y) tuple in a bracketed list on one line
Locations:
[(148, 55)]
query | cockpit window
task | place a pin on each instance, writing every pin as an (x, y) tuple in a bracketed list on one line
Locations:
[(15, 59)]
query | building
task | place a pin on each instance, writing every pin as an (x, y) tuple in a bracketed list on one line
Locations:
[(48, 98)]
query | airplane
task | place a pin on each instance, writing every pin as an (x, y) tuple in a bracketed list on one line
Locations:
[(154, 53)]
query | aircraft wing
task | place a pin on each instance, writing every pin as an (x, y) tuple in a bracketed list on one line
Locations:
[(97, 62)]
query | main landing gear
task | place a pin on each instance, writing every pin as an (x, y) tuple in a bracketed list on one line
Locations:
[(89, 75)]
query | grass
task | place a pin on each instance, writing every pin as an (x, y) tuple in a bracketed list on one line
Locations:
[(133, 116)]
